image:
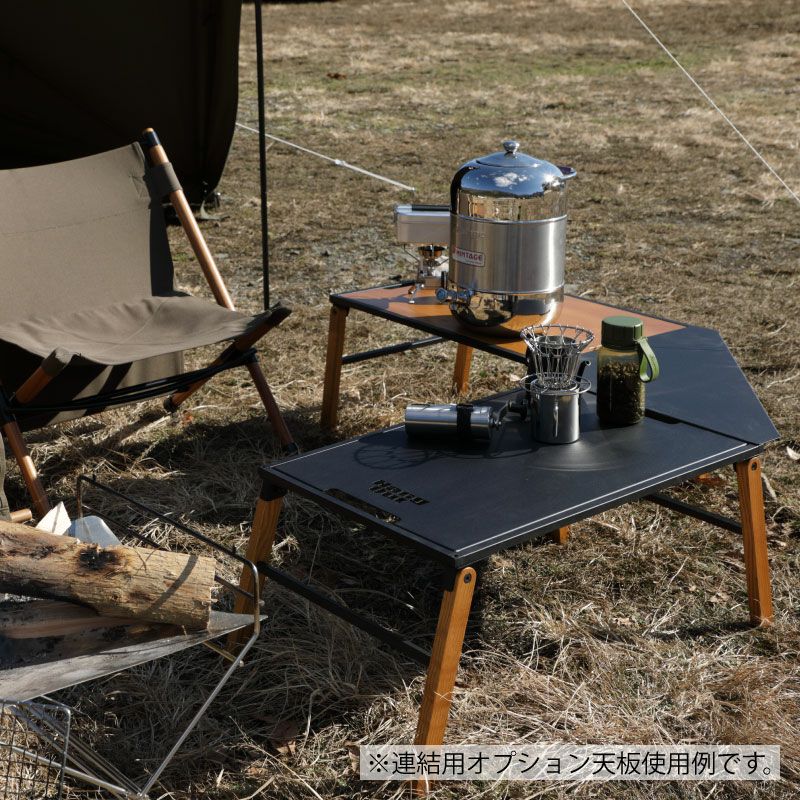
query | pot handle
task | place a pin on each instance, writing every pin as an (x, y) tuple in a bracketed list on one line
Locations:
[(567, 172), (555, 420)]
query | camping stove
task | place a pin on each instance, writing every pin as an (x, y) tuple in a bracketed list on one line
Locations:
[(427, 229)]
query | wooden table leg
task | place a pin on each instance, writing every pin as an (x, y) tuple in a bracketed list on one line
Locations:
[(259, 548), (754, 531), (333, 367), (561, 536), (461, 370), (443, 666)]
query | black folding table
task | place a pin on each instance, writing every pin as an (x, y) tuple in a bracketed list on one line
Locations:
[(458, 503)]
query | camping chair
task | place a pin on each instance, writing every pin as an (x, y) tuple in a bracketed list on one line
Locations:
[(89, 318)]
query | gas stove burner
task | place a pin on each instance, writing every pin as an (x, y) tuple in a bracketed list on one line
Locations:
[(428, 228)]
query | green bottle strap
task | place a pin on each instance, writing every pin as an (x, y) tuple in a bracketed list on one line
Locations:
[(648, 362)]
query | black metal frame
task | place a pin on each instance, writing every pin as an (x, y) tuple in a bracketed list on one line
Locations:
[(697, 512), (391, 349), (262, 151), (395, 640), (9, 409)]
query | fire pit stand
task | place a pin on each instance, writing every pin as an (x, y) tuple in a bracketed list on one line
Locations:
[(27, 673)]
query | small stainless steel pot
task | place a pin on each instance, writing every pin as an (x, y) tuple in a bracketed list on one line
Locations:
[(555, 413)]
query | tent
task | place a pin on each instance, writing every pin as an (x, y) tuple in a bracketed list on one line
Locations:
[(80, 78)]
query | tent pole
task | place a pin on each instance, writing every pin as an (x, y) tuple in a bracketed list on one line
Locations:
[(262, 152)]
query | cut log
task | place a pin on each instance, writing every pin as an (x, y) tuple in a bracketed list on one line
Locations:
[(29, 635), (36, 619), (131, 582)]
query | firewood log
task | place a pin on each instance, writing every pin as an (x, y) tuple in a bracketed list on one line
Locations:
[(130, 582)]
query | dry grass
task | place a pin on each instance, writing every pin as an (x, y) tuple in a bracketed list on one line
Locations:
[(633, 632)]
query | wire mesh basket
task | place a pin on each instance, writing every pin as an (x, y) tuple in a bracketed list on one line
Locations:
[(34, 738), (554, 353)]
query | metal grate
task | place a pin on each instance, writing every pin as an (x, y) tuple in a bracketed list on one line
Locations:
[(34, 738)]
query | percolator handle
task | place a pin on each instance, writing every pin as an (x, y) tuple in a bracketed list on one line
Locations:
[(648, 366)]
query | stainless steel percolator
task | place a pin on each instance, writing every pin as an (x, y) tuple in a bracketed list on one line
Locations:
[(508, 217)]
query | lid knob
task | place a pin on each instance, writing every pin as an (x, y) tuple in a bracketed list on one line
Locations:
[(511, 147)]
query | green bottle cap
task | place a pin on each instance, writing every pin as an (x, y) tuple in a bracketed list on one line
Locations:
[(621, 333), (627, 333)]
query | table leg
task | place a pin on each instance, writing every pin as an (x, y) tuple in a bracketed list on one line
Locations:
[(754, 531), (461, 370), (259, 548), (561, 536), (443, 666), (333, 367)]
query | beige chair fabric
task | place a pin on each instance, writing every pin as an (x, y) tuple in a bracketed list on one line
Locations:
[(86, 269), (132, 330)]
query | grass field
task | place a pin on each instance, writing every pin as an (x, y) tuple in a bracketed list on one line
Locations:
[(630, 633)]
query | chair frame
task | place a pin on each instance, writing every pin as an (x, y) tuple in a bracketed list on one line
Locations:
[(240, 352)]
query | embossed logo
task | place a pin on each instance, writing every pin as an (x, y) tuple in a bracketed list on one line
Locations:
[(469, 257)]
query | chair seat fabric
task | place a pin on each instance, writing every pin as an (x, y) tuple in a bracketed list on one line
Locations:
[(132, 330)]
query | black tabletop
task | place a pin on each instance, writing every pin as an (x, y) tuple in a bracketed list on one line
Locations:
[(459, 504)]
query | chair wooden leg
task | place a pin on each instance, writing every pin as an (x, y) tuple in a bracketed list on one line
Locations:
[(50, 368), (21, 515), (273, 412), (333, 367), (461, 369), (259, 548), (443, 665), (28, 469), (561, 536), (754, 530), (158, 156), (241, 344)]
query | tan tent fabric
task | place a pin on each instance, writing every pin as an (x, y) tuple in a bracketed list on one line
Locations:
[(82, 77)]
